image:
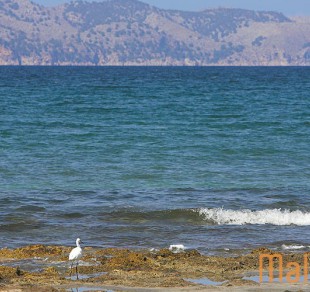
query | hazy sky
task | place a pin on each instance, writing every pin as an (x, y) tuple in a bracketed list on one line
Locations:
[(288, 7)]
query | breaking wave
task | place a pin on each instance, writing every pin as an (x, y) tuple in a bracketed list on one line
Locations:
[(222, 216)]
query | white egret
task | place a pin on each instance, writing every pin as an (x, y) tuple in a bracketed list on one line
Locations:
[(75, 255)]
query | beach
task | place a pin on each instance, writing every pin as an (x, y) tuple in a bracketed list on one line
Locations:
[(46, 268)]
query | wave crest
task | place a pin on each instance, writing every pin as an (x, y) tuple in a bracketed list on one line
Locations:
[(222, 216)]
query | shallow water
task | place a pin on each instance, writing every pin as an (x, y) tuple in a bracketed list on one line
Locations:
[(85, 276), (86, 289), (266, 279), (205, 281), (149, 157)]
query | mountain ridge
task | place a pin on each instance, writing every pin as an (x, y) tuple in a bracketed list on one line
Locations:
[(130, 32)]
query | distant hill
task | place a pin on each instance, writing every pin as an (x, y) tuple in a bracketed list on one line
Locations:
[(130, 32)]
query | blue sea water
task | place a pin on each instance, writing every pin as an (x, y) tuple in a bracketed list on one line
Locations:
[(212, 158)]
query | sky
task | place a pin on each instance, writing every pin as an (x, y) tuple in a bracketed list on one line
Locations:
[(288, 7)]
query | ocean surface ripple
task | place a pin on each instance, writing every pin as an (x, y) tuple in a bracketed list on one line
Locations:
[(212, 158)]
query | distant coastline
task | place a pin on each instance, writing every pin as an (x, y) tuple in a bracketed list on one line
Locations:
[(133, 33)]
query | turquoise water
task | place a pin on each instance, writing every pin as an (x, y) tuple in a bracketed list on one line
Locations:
[(212, 158)]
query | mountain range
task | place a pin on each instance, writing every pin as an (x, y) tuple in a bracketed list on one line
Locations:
[(130, 32)]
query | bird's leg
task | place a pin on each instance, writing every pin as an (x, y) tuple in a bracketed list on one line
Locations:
[(77, 273), (71, 269)]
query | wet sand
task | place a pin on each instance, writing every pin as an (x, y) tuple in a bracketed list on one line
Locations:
[(46, 268)]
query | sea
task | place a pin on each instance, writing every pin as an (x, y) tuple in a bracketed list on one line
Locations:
[(214, 158)]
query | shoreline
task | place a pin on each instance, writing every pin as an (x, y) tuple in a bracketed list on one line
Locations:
[(46, 268)]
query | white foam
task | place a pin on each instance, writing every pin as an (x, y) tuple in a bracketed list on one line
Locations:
[(268, 216), (289, 247), (176, 248)]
